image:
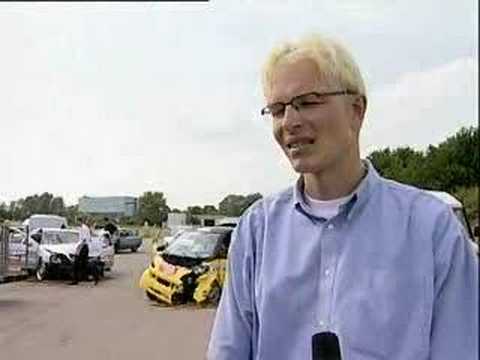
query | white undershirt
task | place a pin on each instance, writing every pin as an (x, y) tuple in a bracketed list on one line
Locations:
[(326, 209)]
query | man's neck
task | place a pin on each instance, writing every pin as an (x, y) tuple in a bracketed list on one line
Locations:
[(334, 184)]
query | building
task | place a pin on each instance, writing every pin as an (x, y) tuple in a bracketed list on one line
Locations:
[(109, 206), (176, 219)]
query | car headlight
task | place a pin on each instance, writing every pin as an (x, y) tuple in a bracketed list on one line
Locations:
[(55, 259)]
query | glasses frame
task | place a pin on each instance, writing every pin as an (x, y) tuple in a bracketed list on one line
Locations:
[(266, 110)]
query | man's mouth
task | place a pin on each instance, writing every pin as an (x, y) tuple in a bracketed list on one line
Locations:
[(299, 145)]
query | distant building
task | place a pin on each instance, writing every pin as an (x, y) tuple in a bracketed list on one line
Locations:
[(176, 219), (109, 206)]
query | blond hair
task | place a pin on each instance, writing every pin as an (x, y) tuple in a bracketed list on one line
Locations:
[(332, 59)]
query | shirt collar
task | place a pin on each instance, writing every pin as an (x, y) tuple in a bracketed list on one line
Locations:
[(360, 195)]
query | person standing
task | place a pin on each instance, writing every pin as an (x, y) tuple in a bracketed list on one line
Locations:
[(80, 262), (344, 261)]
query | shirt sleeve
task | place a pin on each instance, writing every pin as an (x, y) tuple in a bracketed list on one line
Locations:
[(231, 336), (454, 332)]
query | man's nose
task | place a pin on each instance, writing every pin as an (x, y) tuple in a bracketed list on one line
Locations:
[(291, 118)]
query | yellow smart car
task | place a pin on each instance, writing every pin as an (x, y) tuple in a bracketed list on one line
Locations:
[(192, 268)]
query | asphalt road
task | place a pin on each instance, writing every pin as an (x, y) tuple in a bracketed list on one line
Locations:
[(113, 320)]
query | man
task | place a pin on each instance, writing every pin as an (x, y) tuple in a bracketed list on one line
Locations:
[(80, 262), (345, 261), (110, 226)]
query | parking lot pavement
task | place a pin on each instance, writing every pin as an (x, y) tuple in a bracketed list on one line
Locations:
[(113, 320)]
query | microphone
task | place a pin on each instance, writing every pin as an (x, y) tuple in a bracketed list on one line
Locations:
[(325, 346)]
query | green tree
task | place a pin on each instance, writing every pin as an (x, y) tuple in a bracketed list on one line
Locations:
[(195, 210), (153, 208), (469, 197), (455, 162), (210, 210), (57, 206), (4, 213), (235, 205), (71, 213), (452, 164)]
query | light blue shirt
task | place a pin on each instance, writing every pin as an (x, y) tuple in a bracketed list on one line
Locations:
[(393, 275)]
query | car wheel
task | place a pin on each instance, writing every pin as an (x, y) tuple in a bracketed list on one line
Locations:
[(41, 271), (116, 248), (214, 295), (134, 249)]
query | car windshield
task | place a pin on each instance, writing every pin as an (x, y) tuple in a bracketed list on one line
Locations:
[(64, 237), (194, 245)]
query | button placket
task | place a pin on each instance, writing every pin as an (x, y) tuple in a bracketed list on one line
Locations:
[(328, 256)]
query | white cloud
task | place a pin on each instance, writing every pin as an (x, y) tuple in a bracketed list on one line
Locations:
[(423, 108)]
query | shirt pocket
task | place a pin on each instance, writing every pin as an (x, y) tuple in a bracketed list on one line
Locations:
[(384, 313)]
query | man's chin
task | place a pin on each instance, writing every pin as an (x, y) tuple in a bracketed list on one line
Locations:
[(301, 167)]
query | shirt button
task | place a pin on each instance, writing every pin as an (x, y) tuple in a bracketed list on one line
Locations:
[(322, 323), (327, 272), (330, 226)]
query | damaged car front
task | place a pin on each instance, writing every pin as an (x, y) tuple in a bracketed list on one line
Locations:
[(190, 269), (56, 253)]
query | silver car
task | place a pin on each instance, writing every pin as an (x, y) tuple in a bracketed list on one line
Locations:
[(127, 239)]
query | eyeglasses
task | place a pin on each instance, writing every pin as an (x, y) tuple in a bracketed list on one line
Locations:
[(302, 102)]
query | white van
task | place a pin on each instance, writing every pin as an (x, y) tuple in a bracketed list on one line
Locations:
[(39, 221)]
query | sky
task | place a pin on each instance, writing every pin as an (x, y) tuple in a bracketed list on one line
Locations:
[(103, 99)]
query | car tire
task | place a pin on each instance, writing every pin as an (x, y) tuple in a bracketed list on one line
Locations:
[(41, 271), (134, 249), (116, 248)]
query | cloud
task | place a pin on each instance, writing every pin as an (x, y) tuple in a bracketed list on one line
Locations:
[(423, 108)]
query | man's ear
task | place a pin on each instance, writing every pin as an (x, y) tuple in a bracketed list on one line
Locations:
[(359, 104)]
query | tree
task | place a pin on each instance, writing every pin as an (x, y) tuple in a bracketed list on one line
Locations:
[(235, 205), (452, 164), (210, 210), (195, 210), (57, 206), (153, 208), (71, 213), (4, 213)]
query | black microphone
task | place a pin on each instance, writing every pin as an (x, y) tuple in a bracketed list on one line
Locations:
[(325, 346)]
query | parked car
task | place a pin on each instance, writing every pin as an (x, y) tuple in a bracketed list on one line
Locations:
[(127, 239), (51, 250), (192, 268)]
